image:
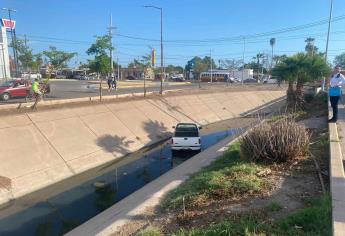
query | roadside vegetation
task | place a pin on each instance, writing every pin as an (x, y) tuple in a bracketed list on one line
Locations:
[(312, 220), (242, 192), (230, 176)]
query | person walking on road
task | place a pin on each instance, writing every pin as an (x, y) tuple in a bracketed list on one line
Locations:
[(335, 92), (113, 83), (109, 83), (36, 93)]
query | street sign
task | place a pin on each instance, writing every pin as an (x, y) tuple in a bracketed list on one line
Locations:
[(8, 24)]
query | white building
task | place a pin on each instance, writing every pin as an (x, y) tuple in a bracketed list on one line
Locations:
[(246, 73), (4, 56)]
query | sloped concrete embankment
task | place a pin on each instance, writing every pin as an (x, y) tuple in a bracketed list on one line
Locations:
[(41, 148)]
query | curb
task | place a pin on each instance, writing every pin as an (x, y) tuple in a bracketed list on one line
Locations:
[(84, 99), (337, 180)]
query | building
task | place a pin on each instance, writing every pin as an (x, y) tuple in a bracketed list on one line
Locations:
[(4, 55), (246, 73), (137, 73), (223, 75)]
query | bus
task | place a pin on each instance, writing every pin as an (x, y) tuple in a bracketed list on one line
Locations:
[(217, 76)]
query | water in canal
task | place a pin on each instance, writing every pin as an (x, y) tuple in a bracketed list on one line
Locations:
[(65, 211)]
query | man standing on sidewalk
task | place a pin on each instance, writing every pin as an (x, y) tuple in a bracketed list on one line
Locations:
[(36, 93), (335, 91)]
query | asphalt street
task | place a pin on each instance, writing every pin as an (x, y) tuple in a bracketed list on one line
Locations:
[(67, 89)]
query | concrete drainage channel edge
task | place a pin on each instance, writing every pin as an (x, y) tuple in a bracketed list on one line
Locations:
[(109, 221)]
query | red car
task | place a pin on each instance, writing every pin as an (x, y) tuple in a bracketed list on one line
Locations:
[(18, 88)]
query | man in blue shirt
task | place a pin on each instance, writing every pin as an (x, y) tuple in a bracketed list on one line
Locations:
[(335, 91)]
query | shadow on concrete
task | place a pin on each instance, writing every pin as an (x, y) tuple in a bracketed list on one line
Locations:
[(156, 131), (176, 109), (171, 108), (114, 143)]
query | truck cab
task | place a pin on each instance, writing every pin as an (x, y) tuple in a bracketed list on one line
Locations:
[(186, 137)]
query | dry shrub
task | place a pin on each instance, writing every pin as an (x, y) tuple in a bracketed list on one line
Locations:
[(279, 141)]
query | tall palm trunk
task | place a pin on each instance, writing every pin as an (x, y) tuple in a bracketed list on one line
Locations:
[(299, 94), (290, 94)]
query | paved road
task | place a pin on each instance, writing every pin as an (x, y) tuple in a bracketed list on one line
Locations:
[(77, 89), (67, 89)]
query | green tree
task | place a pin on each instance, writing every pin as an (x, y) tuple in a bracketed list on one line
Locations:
[(230, 64), (208, 61), (58, 59), (198, 65), (174, 69), (272, 43), (28, 60), (279, 58), (310, 48), (300, 68), (340, 60), (101, 62)]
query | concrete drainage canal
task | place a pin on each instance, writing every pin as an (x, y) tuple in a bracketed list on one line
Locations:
[(81, 198)]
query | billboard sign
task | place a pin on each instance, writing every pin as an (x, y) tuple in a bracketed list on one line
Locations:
[(8, 24)]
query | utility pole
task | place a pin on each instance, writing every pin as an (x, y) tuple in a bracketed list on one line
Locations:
[(118, 70), (244, 50), (14, 47), (161, 90), (110, 28), (326, 53), (162, 68), (211, 65)]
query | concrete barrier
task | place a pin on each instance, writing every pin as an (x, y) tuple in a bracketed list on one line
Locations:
[(337, 180), (44, 147)]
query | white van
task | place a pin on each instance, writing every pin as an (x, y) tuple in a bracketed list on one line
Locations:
[(186, 137)]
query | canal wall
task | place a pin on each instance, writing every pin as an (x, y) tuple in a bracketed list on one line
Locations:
[(44, 147)]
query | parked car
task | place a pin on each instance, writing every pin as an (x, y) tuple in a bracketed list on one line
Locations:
[(270, 80), (84, 77), (250, 80), (26, 75), (177, 77), (231, 80), (131, 77), (186, 137), (19, 88), (61, 77)]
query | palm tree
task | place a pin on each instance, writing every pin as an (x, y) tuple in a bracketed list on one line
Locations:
[(300, 68), (272, 43), (310, 48), (287, 70)]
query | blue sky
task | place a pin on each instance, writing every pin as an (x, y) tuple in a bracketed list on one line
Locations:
[(72, 24)]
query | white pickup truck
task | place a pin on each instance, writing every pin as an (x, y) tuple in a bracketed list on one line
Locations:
[(186, 137)]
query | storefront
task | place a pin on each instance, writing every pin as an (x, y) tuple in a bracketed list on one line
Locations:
[(4, 56)]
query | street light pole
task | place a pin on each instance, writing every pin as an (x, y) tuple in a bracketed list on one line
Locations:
[(161, 10), (326, 53), (211, 65), (13, 39), (244, 50), (161, 90), (111, 44)]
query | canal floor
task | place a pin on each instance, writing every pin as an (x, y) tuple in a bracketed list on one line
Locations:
[(63, 212)]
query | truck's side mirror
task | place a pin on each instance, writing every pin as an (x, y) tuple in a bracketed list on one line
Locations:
[(200, 127), (173, 127)]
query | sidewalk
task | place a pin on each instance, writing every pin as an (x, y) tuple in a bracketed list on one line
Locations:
[(341, 126), (337, 176)]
